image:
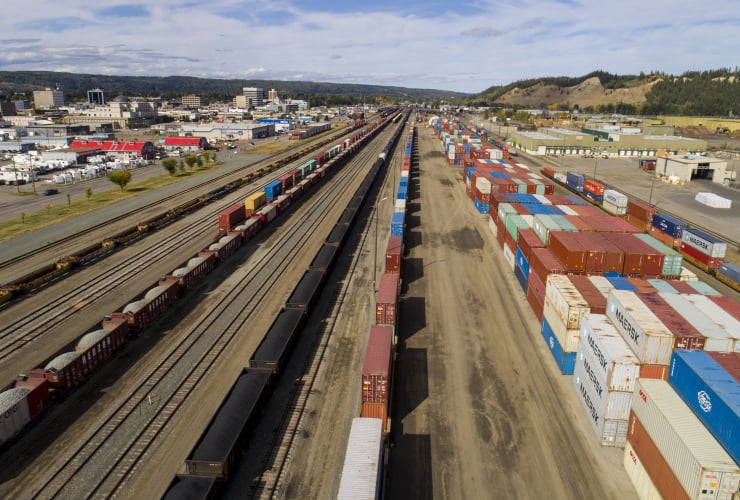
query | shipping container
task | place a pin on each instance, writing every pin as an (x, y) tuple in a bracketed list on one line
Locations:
[(718, 315), (704, 243), (230, 217), (639, 476), (668, 224), (393, 254), (684, 334), (386, 299), (711, 393), (593, 297), (716, 338), (701, 465), (646, 335), (617, 364), (566, 300), (542, 263), (729, 361), (362, 471), (377, 367), (273, 189), (657, 468), (568, 250), (254, 201), (565, 361)]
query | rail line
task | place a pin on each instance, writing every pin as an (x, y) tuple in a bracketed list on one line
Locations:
[(113, 449)]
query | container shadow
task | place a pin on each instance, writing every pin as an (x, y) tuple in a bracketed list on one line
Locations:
[(413, 269), (410, 468)]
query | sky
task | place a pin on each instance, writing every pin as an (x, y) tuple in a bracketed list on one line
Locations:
[(459, 46)]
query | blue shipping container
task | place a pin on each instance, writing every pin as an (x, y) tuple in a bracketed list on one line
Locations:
[(483, 208), (273, 190), (730, 271), (575, 180), (565, 361), (402, 191), (575, 200), (669, 225), (711, 393), (521, 261), (621, 283), (499, 175), (520, 277), (397, 220), (594, 197)]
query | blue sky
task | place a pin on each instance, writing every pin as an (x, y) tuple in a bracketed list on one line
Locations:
[(461, 46)]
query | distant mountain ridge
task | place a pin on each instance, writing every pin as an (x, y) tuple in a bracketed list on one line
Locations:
[(710, 93), (77, 85)]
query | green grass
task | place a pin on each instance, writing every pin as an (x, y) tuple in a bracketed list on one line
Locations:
[(58, 209)]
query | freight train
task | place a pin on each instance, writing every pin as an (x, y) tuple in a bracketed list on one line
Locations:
[(705, 251), (25, 399), (211, 462)]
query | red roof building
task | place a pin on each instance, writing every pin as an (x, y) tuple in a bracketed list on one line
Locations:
[(141, 149), (185, 143)]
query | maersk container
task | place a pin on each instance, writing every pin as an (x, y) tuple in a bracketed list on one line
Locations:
[(640, 478), (717, 314), (716, 337), (617, 364), (362, 472), (611, 432), (613, 405), (566, 361), (646, 335), (566, 300), (704, 243), (702, 466), (668, 224), (711, 393)]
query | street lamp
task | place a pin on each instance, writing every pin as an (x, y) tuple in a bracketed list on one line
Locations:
[(596, 163), (652, 183)]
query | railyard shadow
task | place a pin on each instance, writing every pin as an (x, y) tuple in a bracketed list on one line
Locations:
[(413, 240), (413, 269), (410, 469), (413, 316), (412, 221), (412, 207)]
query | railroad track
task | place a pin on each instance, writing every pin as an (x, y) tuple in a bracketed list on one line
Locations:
[(22, 331), (114, 449), (269, 483)]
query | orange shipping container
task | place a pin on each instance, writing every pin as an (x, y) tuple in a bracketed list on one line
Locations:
[(376, 410)]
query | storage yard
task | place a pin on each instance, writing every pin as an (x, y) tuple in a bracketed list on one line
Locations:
[(496, 331)]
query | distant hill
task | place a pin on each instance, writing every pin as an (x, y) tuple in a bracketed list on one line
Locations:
[(75, 86), (705, 93)]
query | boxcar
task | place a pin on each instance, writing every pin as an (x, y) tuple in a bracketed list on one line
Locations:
[(226, 436), (277, 344)]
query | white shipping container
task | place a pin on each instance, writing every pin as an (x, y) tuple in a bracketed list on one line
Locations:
[(560, 177), (400, 205), (717, 314), (717, 338), (483, 185), (700, 464), (602, 284), (644, 486), (616, 198), (647, 336), (404, 173), (566, 299), (688, 275), (613, 209), (509, 256), (716, 249), (617, 364), (362, 463), (542, 199), (567, 337), (610, 432), (613, 405), (566, 209), (495, 154)]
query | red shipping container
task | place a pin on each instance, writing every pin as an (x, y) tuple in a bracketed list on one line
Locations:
[(579, 222), (660, 472), (496, 198), (701, 258), (642, 285), (640, 224), (585, 210), (730, 306), (38, 398), (654, 371), (376, 410), (230, 217), (652, 264), (684, 333), (592, 295), (613, 255), (549, 188), (641, 211), (386, 300), (526, 240), (542, 262), (376, 370), (730, 361), (536, 295), (595, 252), (682, 286), (393, 254), (567, 250), (500, 232), (521, 208), (633, 259), (509, 241), (548, 171), (594, 187)]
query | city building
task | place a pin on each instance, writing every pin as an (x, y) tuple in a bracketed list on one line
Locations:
[(192, 101), (185, 144), (272, 96), (96, 97), (45, 99), (124, 150), (685, 168), (255, 96), (7, 108), (122, 112)]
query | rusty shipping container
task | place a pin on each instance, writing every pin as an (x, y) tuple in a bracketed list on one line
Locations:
[(376, 370), (386, 300)]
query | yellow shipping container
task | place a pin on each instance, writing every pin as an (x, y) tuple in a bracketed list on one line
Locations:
[(254, 202)]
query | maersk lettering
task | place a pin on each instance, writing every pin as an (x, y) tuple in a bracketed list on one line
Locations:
[(696, 241), (589, 404), (593, 378), (627, 326), (597, 352)]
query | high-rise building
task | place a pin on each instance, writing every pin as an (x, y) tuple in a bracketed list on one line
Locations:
[(44, 99), (192, 101), (255, 96), (96, 97), (272, 95)]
